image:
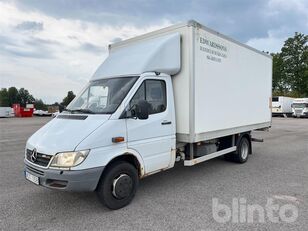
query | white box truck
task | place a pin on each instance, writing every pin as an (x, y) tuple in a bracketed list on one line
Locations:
[(282, 106), (184, 94), (300, 107)]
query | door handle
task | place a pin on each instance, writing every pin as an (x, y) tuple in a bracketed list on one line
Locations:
[(166, 122)]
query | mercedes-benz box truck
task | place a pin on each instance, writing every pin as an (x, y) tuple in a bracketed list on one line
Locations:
[(184, 94)]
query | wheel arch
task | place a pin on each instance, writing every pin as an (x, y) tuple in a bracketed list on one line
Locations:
[(131, 157)]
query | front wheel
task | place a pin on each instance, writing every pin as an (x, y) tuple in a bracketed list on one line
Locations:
[(118, 185)]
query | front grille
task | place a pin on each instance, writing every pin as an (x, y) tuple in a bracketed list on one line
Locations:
[(299, 111), (41, 159)]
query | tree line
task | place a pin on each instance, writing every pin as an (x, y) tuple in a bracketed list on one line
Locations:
[(12, 95), (290, 67)]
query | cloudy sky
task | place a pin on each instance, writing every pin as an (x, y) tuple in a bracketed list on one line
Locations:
[(53, 46)]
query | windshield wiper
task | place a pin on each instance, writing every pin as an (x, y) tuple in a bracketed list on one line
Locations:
[(87, 111)]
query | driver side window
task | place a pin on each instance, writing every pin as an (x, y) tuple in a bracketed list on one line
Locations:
[(154, 92)]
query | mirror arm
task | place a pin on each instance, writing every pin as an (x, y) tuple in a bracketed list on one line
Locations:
[(125, 116)]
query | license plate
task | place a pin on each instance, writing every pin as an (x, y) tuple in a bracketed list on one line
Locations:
[(32, 178)]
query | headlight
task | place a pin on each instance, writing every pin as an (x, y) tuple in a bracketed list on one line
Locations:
[(69, 159)]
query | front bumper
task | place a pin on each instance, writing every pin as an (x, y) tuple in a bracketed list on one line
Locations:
[(282, 113), (303, 114), (66, 180)]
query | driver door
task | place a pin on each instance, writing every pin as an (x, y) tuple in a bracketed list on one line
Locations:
[(152, 137)]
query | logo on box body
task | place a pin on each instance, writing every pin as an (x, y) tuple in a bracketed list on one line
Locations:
[(215, 51)]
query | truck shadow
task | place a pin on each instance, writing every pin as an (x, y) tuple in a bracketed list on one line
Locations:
[(168, 182), (180, 175)]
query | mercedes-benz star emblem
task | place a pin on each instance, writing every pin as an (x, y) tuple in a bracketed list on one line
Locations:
[(34, 155)]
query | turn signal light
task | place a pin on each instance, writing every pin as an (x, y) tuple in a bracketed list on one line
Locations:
[(117, 139)]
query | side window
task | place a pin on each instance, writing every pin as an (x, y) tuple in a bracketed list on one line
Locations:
[(275, 99), (154, 92), (156, 95)]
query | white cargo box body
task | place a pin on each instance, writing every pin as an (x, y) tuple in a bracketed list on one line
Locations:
[(282, 104), (231, 87), (221, 87)]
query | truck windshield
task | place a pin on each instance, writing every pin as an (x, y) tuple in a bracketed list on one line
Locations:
[(102, 96), (299, 105)]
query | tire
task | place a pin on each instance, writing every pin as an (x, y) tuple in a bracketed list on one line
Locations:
[(118, 185), (242, 151)]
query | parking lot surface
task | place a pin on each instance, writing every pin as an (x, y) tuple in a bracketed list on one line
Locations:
[(178, 199)]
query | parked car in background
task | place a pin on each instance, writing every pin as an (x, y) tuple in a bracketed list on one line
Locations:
[(53, 115), (41, 113)]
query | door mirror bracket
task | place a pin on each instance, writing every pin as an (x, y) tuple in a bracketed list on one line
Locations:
[(137, 111)]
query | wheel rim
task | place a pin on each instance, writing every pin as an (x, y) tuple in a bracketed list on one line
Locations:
[(244, 150), (122, 186)]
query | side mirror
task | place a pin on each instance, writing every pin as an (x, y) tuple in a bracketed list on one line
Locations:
[(142, 110)]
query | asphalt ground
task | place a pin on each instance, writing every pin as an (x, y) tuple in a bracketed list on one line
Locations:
[(178, 199)]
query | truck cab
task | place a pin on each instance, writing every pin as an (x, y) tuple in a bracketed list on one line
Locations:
[(300, 107), (127, 118)]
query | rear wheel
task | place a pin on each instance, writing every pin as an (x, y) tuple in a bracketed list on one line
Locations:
[(242, 150), (241, 153), (118, 185)]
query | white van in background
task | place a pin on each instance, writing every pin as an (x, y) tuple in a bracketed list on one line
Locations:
[(282, 106), (300, 107), (6, 112)]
